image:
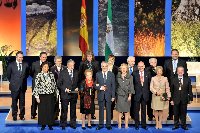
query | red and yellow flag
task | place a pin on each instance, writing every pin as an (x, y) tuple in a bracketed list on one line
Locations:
[(83, 38)]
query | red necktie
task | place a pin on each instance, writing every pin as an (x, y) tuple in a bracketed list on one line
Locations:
[(141, 78)]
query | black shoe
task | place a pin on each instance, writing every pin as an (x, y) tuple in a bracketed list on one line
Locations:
[(99, 128), (32, 117), (93, 117), (74, 127), (137, 127), (175, 127), (184, 127), (63, 128), (145, 127), (123, 117), (14, 118), (83, 128), (43, 127), (170, 118), (50, 128), (22, 118), (89, 127), (109, 128)]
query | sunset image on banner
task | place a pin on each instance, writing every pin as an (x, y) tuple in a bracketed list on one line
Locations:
[(10, 26)]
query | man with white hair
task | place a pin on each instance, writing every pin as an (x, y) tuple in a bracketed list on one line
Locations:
[(152, 70), (132, 68)]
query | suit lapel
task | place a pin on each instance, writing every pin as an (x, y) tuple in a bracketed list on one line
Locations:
[(170, 65)]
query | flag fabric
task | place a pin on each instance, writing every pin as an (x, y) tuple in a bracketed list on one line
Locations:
[(83, 37), (109, 47)]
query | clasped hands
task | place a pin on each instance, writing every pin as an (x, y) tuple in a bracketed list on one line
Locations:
[(68, 90)]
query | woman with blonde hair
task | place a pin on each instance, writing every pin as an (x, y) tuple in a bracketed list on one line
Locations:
[(124, 91), (161, 94)]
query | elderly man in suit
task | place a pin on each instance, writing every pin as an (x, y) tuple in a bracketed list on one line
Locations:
[(68, 83), (170, 67), (141, 81), (105, 84), (17, 73), (181, 94), (56, 70), (35, 69)]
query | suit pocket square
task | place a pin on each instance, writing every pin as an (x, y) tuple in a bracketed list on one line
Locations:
[(97, 85)]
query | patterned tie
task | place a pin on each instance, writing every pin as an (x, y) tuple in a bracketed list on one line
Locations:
[(130, 70), (104, 78), (141, 78), (180, 82), (71, 75), (20, 68)]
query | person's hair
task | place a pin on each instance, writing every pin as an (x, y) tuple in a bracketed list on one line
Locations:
[(57, 57), (151, 59), (130, 57), (175, 50), (70, 60), (123, 64), (180, 67), (159, 67), (104, 62), (41, 53), (44, 63), (19, 52), (111, 56), (88, 52), (88, 70)]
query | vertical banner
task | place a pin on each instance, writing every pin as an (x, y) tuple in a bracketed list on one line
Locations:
[(120, 27), (186, 27), (10, 27), (41, 27), (73, 23), (149, 28)]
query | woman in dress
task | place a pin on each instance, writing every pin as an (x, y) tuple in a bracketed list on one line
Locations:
[(124, 92), (44, 91), (87, 98), (159, 85), (88, 62)]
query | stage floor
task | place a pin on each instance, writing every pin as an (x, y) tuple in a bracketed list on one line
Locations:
[(6, 104)]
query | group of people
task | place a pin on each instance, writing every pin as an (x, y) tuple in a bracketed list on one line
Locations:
[(126, 88)]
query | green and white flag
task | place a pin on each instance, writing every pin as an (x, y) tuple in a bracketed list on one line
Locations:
[(109, 48)]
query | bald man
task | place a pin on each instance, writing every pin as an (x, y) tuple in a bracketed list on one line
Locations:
[(141, 80)]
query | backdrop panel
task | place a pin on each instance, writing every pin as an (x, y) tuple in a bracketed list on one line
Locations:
[(149, 37), (186, 27), (41, 29), (10, 26)]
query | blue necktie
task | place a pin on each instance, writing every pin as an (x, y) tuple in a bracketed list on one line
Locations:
[(104, 78), (130, 70)]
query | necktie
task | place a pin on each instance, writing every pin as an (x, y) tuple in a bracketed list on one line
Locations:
[(180, 83), (20, 68), (130, 70), (71, 75), (141, 78), (174, 66), (104, 78)]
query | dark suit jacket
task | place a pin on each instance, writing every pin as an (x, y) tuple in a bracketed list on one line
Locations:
[(83, 67), (16, 79), (168, 68), (64, 81), (115, 70), (184, 94), (55, 71), (110, 83), (151, 71), (139, 89)]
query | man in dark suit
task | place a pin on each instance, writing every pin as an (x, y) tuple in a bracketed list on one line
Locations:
[(152, 71), (105, 84), (56, 70), (181, 95), (132, 68), (68, 83), (170, 66), (35, 69), (141, 81), (17, 73)]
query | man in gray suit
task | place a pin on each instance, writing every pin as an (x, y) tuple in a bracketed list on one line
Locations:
[(105, 84)]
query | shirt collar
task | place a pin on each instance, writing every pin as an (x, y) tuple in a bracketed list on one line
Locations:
[(69, 70), (18, 62)]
